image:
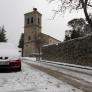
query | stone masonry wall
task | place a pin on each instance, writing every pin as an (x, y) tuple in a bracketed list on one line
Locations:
[(77, 51)]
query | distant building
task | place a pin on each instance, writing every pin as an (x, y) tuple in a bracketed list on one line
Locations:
[(34, 39)]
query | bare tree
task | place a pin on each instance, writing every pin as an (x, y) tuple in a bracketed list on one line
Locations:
[(86, 5), (38, 42)]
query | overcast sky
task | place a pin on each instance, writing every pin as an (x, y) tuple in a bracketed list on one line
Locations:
[(12, 17)]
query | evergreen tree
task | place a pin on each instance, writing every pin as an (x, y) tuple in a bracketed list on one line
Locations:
[(77, 24), (67, 38), (77, 28), (75, 34), (21, 42), (2, 35)]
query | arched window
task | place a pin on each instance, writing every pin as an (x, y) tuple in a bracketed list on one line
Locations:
[(32, 20), (27, 20)]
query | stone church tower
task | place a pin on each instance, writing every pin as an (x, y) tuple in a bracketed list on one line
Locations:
[(32, 29), (34, 39)]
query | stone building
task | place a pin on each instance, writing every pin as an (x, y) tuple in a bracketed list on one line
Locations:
[(34, 39)]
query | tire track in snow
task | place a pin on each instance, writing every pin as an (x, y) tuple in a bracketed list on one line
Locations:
[(78, 83)]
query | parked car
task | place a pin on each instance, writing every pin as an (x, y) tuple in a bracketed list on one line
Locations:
[(10, 57)]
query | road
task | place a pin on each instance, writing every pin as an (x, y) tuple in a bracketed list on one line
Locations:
[(31, 79), (78, 80)]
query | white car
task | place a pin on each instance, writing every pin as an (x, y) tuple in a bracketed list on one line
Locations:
[(10, 57)]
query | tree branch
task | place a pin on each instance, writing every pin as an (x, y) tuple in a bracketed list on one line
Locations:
[(89, 5)]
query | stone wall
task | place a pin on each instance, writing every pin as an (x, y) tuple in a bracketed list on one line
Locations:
[(77, 51)]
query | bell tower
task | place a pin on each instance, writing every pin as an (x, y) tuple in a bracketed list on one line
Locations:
[(32, 29)]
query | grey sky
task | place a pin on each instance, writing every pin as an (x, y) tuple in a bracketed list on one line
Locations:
[(12, 16)]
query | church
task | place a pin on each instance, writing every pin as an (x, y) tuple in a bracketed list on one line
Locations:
[(34, 39)]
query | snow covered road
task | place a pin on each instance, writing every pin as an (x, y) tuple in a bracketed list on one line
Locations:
[(32, 80), (81, 79)]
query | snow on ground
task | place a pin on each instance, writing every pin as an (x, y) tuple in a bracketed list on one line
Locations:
[(32, 80), (66, 70)]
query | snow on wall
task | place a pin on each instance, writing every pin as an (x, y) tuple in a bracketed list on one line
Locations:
[(76, 51)]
